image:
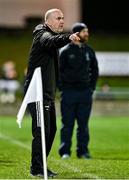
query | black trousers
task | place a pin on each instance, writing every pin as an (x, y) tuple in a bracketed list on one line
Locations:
[(75, 105), (50, 130)]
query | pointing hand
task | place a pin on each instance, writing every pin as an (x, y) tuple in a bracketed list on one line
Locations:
[(74, 37)]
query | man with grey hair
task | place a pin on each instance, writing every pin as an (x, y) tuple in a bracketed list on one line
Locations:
[(44, 54)]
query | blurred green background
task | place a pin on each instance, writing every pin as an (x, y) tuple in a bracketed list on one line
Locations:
[(16, 46), (107, 23)]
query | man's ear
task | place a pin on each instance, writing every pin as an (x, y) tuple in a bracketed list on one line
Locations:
[(48, 22)]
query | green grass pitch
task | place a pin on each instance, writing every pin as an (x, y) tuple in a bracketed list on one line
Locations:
[(109, 147)]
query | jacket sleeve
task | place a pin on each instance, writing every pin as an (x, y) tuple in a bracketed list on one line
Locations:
[(94, 72), (62, 64), (62, 60), (48, 40)]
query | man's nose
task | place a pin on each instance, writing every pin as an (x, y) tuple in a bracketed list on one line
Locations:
[(62, 20)]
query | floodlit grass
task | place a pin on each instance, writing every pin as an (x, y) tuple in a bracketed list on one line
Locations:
[(109, 148)]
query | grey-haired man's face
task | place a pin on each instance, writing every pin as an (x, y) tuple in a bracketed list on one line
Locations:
[(56, 21)]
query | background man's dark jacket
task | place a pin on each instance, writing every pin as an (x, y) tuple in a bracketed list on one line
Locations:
[(78, 67)]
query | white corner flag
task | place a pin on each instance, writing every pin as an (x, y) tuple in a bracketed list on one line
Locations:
[(35, 94)]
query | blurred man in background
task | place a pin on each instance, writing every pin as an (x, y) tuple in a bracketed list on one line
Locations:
[(78, 76), (9, 83), (44, 54)]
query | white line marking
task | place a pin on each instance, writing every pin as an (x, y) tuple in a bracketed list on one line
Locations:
[(14, 141), (64, 164), (73, 168)]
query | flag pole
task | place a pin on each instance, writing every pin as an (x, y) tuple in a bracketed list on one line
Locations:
[(35, 94), (40, 87), (43, 140)]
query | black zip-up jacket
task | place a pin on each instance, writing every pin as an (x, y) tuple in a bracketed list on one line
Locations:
[(44, 54), (78, 67)]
